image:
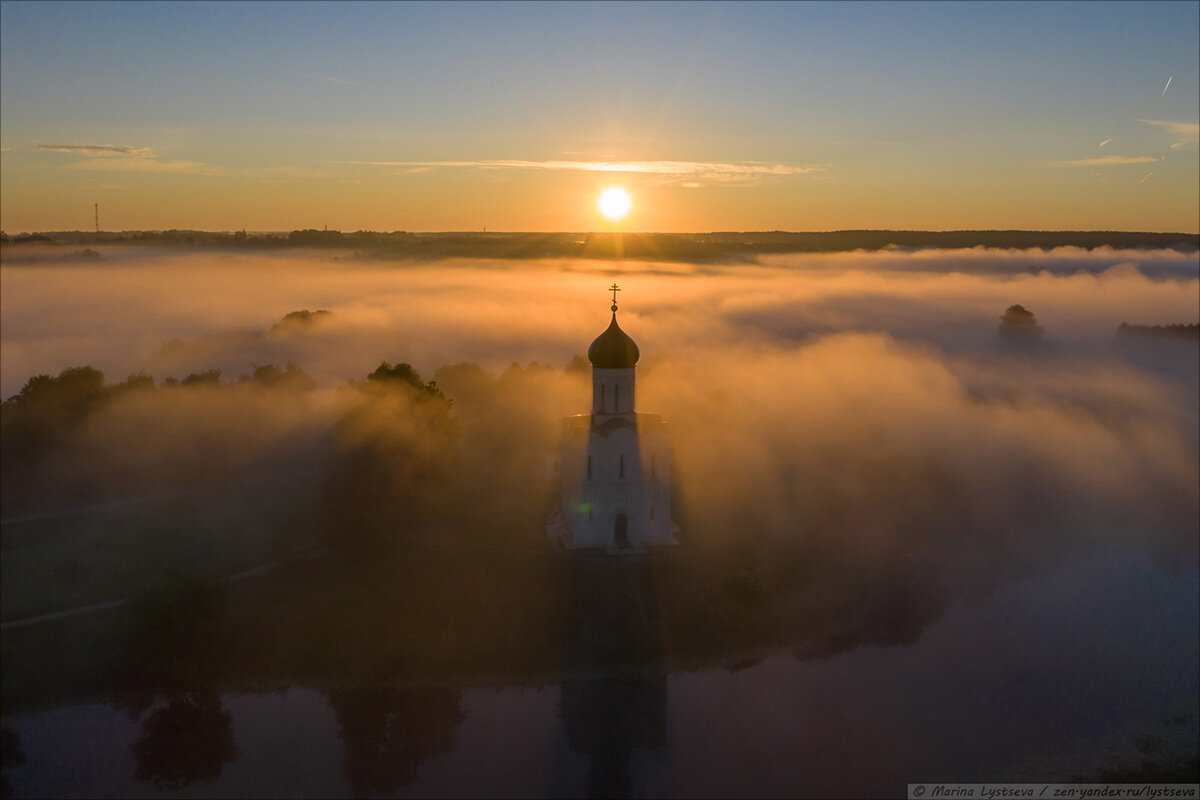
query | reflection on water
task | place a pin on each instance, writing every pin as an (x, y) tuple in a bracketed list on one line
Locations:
[(389, 733), (1057, 675), (613, 640), (188, 740), (606, 718)]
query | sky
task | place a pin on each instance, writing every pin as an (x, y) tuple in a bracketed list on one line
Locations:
[(516, 116)]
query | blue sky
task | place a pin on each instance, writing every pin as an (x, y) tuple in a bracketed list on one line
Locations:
[(941, 100)]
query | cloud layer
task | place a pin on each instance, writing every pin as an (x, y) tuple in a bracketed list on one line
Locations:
[(180, 313), (1186, 134), (859, 404), (100, 150), (1105, 161), (711, 170)]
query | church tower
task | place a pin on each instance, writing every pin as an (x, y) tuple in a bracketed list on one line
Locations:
[(615, 462)]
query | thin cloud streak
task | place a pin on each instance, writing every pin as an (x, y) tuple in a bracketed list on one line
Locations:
[(1187, 134), (1105, 161), (1106, 141), (712, 169), (100, 150), (1164, 94), (147, 165), (269, 174)]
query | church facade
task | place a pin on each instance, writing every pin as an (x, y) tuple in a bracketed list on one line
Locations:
[(615, 462)]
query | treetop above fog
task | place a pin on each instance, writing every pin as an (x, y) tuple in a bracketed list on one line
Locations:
[(1018, 315)]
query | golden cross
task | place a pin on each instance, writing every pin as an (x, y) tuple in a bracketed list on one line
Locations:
[(614, 290)]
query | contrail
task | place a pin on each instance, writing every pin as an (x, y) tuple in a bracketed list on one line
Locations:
[(1143, 180), (1106, 141), (1164, 94)]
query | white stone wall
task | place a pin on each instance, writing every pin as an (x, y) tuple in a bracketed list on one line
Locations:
[(630, 473), (613, 391), (655, 444)]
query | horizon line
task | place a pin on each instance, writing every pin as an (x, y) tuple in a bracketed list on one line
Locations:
[(475, 232)]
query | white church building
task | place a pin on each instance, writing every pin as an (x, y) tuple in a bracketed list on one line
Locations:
[(615, 463)]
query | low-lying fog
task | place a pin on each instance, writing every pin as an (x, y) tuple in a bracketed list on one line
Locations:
[(166, 312), (862, 397)]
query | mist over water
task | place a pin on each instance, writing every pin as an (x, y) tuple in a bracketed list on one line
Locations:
[(864, 397), (857, 450), (168, 313)]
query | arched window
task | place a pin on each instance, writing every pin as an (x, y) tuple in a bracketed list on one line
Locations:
[(621, 466), (621, 530), (617, 398), (651, 512), (602, 393), (589, 474)]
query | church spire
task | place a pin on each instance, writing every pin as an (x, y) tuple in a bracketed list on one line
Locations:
[(613, 349)]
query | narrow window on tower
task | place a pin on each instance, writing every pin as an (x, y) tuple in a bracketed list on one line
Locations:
[(652, 466), (621, 466), (651, 512), (589, 467), (617, 398), (602, 397)]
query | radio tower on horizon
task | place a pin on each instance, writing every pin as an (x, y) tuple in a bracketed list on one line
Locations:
[(97, 205)]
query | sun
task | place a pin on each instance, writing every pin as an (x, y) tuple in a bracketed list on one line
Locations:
[(614, 203)]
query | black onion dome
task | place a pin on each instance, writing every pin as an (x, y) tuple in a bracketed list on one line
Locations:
[(613, 349)]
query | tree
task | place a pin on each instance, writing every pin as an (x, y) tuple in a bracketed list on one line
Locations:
[(137, 381), (45, 411), (404, 374), (209, 377), (74, 391), (300, 320), (1019, 326), (291, 377)]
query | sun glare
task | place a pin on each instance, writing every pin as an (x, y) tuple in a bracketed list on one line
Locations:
[(615, 203)]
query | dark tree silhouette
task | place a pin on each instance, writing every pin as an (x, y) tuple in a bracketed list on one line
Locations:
[(291, 377), (300, 320), (136, 382), (385, 374), (1177, 330), (389, 461), (45, 411), (1018, 326), (311, 236), (209, 377), (73, 392), (178, 633), (179, 638)]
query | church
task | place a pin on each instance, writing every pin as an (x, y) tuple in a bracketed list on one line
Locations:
[(615, 462)]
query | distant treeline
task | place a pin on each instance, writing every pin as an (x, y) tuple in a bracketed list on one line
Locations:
[(1177, 331), (666, 246)]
